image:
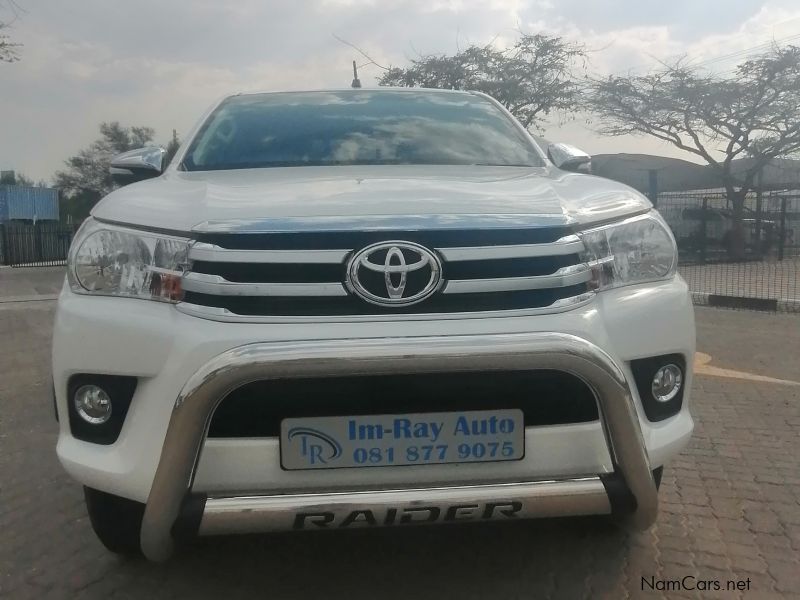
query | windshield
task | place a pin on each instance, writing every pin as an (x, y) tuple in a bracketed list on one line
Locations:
[(357, 128)]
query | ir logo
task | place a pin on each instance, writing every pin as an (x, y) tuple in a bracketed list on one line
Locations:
[(317, 447)]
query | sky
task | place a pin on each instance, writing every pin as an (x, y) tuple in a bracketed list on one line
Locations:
[(162, 63)]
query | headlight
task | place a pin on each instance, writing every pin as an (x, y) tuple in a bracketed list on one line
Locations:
[(112, 261), (635, 250)]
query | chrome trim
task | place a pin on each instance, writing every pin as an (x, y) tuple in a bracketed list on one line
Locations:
[(383, 223), (216, 285), (216, 313), (213, 253), (249, 514), (564, 277), (569, 158), (570, 244), (204, 390), (149, 158), (394, 294)]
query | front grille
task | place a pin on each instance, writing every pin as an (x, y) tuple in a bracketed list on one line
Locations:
[(304, 273), (545, 398)]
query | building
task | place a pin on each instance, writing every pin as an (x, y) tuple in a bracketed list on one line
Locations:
[(28, 203)]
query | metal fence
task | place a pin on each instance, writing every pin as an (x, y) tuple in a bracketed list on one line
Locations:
[(45, 243), (763, 273)]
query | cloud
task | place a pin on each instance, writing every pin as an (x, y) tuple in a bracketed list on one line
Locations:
[(162, 63)]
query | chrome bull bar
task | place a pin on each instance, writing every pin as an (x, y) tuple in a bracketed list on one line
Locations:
[(200, 396)]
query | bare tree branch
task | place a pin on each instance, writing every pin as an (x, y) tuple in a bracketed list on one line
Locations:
[(360, 51), (752, 112), (9, 51)]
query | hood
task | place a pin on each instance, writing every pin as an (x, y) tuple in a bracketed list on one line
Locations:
[(182, 201)]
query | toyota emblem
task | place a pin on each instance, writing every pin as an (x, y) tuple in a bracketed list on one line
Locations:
[(394, 273)]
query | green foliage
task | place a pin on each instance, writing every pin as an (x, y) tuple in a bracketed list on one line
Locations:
[(88, 170), (76, 207), (87, 179), (23, 180), (172, 147), (531, 79), (16, 178)]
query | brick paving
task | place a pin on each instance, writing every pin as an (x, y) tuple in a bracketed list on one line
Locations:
[(729, 507)]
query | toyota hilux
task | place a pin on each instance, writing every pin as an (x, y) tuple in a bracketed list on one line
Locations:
[(364, 308)]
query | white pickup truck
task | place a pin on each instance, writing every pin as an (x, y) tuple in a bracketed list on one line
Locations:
[(363, 308)]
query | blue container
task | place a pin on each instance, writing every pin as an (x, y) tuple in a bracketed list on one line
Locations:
[(28, 203)]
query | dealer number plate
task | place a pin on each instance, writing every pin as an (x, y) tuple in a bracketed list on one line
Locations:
[(397, 440)]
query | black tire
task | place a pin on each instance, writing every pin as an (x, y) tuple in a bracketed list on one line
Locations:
[(116, 521), (657, 473)]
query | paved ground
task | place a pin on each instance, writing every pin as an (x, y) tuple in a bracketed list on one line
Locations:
[(41, 283), (729, 507)]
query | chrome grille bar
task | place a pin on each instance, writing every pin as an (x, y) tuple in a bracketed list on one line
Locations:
[(219, 286), (213, 253), (251, 275), (567, 245), (214, 313), (564, 277)]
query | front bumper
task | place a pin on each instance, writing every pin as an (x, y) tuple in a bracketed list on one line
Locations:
[(248, 514), (162, 455), (202, 393)]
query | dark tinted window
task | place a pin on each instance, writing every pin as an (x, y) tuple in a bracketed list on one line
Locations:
[(357, 128)]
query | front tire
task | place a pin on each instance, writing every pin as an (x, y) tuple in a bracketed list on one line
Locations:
[(657, 474), (116, 521)]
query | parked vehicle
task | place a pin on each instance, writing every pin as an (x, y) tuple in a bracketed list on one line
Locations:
[(364, 308)]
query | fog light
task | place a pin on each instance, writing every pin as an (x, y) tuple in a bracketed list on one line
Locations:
[(667, 383), (93, 404)]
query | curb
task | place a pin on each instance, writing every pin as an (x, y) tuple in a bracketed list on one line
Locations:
[(35, 298), (788, 305)]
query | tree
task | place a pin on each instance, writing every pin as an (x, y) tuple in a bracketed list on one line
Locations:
[(532, 78), (8, 49), (87, 172), (752, 113), (172, 147), (76, 207), (23, 180), (26, 181), (15, 178), (87, 178)]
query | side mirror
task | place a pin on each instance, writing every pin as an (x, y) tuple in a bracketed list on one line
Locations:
[(136, 165), (569, 158)]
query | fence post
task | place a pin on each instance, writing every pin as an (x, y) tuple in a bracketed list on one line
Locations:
[(782, 230), (38, 241), (703, 231), (759, 197), (652, 180)]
